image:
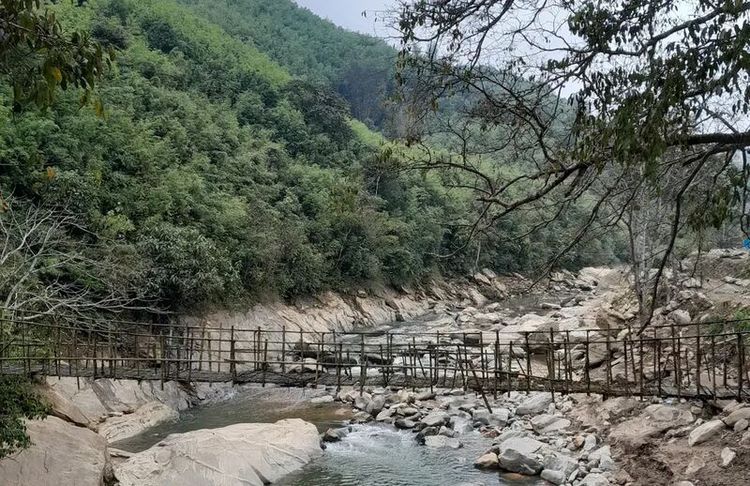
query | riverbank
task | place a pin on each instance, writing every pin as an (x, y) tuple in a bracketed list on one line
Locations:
[(573, 439), (87, 415)]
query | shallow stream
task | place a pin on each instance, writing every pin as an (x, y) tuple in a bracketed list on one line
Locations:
[(371, 455)]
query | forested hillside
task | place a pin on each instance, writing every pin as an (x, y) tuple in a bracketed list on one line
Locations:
[(219, 174), (360, 68)]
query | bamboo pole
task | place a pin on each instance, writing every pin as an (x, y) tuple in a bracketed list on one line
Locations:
[(265, 362), (528, 363), (740, 366), (552, 363), (362, 369), (510, 367), (587, 364), (232, 363), (283, 348)]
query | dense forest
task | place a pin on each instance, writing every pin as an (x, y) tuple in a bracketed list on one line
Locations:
[(228, 164)]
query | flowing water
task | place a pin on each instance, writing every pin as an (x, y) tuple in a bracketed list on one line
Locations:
[(377, 455), (371, 455), (251, 405)]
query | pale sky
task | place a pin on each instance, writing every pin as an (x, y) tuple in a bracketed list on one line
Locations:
[(348, 14)]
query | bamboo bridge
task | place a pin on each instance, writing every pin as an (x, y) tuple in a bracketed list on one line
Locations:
[(695, 360)]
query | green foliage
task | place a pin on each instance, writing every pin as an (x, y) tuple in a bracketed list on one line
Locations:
[(359, 67), (37, 56), (217, 177), (18, 401), (215, 174), (742, 315)]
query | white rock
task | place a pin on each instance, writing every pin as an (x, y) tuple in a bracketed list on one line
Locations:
[(323, 399), (554, 477), (498, 417), (64, 408), (518, 455), (603, 456), (375, 405), (237, 455), (594, 479), (536, 403), (695, 465), (737, 415), (727, 456), (461, 425), (741, 425), (704, 432), (545, 424), (435, 418), (124, 426), (61, 454), (680, 316), (439, 441), (487, 461), (589, 443), (560, 462), (384, 415)]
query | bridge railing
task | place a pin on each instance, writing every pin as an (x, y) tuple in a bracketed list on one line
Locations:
[(701, 360)]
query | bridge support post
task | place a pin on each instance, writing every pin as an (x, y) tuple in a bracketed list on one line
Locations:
[(586, 365), (232, 364), (283, 349), (552, 363), (528, 362), (362, 366), (740, 366)]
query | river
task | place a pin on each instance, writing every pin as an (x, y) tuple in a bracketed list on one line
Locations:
[(376, 455), (372, 454)]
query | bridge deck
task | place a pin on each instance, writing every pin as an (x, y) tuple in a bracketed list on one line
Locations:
[(689, 361)]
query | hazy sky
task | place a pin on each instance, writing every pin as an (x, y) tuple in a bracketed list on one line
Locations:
[(348, 14)]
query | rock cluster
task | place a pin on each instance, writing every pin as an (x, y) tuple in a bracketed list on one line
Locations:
[(526, 434)]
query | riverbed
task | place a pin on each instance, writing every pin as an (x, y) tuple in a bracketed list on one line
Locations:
[(372, 454)]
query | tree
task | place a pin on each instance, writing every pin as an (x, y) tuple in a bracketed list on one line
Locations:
[(45, 271), (660, 94), (19, 400), (37, 57)]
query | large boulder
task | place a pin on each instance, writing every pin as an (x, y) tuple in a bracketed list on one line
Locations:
[(435, 418), (519, 455), (539, 325), (705, 432), (535, 404), (61, 453), (498, 418), (737, 415), (84, 398), (654, 420), (440, 441), (546, 424), (128, 425), (237, 455), (98, 398), (487, 461), (680, 316), (64, 408)]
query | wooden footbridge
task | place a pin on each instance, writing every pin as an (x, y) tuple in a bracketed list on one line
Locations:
[(695, 360)]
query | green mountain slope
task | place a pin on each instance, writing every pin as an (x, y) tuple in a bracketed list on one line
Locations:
[(220, 176), (215, 172), (359, 67)]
